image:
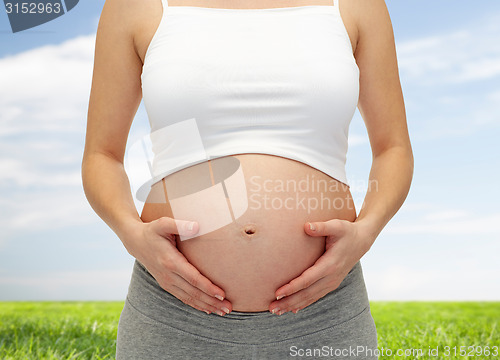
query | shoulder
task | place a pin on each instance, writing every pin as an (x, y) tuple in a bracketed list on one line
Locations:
[(371, 18), (366, 10), (129, 22), (128, 15)]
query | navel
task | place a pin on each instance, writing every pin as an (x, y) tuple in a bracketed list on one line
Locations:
[(249, 229)]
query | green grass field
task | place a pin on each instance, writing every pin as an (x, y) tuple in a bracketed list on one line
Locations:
[(87, 330)]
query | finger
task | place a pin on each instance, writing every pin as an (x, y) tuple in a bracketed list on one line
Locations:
[(190, 274), (166, 226), (199, 300), (300, 301), (304, 280), (213, 303), (326, 285), (334, 227)]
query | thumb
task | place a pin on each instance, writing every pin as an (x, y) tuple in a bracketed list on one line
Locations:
[(166, 226), (333, 228)]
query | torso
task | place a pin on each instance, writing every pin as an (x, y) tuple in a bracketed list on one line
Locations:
[(266, 247)]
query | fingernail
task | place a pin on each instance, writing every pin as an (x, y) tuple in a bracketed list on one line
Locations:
[(281, 312), (208, 312), (226, 310), (219, 312), (312, 227), (219, 297), (275, 310), (191, 226), (297, 310), (280, 297)]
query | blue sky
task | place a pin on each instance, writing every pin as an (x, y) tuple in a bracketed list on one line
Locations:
[(442, 245)]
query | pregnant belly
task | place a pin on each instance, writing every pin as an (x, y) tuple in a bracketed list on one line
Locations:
[(251, 212)]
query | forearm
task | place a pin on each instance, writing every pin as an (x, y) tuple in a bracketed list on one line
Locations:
[(107, 189), (389, 183)]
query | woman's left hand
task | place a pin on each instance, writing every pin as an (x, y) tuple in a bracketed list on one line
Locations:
[(346, 243)]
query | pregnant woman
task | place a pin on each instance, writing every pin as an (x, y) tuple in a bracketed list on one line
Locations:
[(269, 87)]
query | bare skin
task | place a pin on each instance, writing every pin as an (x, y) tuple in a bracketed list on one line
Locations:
[(340, 238), (251, 257)]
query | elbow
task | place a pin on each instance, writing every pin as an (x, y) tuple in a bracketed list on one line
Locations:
[(84, 173), (400, 153), (408, 161), (411, 160), (84, 165), (406, 152), (88, 169)]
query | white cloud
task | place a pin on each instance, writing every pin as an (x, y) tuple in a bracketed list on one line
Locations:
[(357, 139), (430, 251), (461, 56), (449, 223), (25, 174), (400, 283), (44, 98), (67, 285), (421, 217), (494, 96), (432, 267), (448, 80), (46, 89), (452, 214), (26, 213)]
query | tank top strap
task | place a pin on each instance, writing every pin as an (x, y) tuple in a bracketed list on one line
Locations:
[(164, 3), (335, 5)]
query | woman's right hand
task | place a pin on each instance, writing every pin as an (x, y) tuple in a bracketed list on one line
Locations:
[(154, 246)]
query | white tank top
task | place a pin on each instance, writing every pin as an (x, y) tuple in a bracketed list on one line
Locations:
[(277, 81)]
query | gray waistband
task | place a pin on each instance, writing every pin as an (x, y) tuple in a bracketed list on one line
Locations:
[(339, 306)]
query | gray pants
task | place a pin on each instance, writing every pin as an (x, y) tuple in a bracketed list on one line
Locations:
[(154, 324)]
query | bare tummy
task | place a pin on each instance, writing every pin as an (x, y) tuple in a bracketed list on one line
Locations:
[(264, 246), (251, 254)]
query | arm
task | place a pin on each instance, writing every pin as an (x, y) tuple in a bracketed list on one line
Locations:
[(114, 99), (381, 105)]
